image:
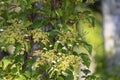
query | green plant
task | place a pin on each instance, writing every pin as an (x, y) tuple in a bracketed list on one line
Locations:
[(52, 26)]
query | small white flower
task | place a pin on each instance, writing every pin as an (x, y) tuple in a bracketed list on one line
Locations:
[(54, 61), (64, 48), (44, 48), (59, 54), (1, 30), (23, 49), (26, 35), (77, 43), (50, 45), (2, 47), (58, 60), (58, 41), (70, 45), (64, 73)]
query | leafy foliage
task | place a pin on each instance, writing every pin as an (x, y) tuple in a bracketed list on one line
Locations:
[(45, 34)]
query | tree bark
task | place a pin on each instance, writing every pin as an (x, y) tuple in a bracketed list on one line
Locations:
[(111, 27)]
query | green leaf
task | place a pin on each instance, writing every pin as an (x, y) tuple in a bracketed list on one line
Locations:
[(60, 78), (92, 77), (91, 20), (18, 47), (69, 76), (59, 12), (0, 63), (27, 46), (58, 46), (27, 24), (86, 71), (85, 59), (86, 12), (2, 79), (30, 62), (53, 72), (27, 74), (20, 77), (22, 4), (87, 46), (54, 33), (19, 58), (75, 53), (66, 4), (14, 70), (5, 63)]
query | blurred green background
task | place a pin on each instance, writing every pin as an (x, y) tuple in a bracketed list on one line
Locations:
[(94, 36)]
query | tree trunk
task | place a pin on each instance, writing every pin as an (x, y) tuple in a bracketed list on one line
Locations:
[(111, 26)]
